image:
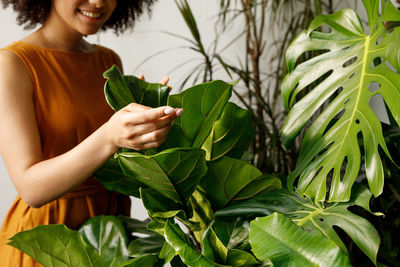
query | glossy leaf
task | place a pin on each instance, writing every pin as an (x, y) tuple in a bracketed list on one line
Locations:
[(107, 235), (203, 104), (230, 135), (134, 226), (202, 212), (315, 218), (145, 245), (221, 241), (174, 173), (353, 68), (277, 238), (162, 208), (177, 239), (149, 260), (56, 245), (110, 175), (231, 179), (121, 90)]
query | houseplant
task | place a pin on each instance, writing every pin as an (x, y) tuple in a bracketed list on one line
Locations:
[(248, 219)]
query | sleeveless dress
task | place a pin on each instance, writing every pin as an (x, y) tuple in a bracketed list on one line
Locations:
[(69, 104)]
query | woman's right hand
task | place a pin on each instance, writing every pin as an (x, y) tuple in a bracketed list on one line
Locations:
[(140, 127)]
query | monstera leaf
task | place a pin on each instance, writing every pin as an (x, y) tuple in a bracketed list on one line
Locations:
[(277, 238), (352, 69), (314, 218), (203, 104), (121, 90)]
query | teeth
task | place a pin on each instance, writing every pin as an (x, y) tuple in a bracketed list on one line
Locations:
[(90, 14)]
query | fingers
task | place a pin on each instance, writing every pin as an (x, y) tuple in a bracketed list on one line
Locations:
[(164, 80), (151, 139), (151, 114)]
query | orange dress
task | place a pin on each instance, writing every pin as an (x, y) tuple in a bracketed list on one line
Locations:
[(69, 104)]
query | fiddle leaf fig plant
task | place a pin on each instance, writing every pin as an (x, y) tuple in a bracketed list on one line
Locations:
[(209, 207), (353, 68)]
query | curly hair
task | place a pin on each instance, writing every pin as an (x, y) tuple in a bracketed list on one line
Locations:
[(34, 12)]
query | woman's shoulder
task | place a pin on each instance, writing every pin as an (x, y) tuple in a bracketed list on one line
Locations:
[(9, 58), (13, 69), (105, 51)]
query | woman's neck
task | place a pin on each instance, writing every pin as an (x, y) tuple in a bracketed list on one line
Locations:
[(48, 37)]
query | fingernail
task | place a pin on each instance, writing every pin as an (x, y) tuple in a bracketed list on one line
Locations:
[(179, 112), (169, 110)]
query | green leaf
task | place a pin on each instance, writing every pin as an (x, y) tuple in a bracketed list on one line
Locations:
[(107, 235), (116, 89), (222, 240), (177, 239), (315, 218), (174, 173), (202, 212), (231, 179), (167, 253), (146, 245), (134, 226), (203, 105), (149, 260), (230, 135), (353, 69), (277, 238), (56, 245), (121, 90), (110, 175)]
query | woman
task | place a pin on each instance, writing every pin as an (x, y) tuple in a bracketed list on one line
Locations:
[(59, 128)]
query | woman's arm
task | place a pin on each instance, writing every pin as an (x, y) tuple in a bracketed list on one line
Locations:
[(39, 180)]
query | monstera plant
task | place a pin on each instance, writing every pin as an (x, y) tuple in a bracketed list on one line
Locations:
[(208, 207)]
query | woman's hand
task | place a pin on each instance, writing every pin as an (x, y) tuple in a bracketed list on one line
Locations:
[(140, 127)]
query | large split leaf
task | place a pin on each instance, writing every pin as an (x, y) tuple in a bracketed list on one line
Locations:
[(315, 218), (203, 105), (56, 245), (107, 235), (277, 238), (230, 135), (121, 90), (174, 173), (231, 179), (353, 68)]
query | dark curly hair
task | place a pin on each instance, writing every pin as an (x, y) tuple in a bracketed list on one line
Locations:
[(34, 12)]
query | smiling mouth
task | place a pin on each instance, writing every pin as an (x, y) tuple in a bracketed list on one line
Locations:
[(93, 15)]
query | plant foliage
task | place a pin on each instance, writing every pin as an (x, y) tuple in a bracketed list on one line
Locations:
[(354, 68), (209, 207)]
